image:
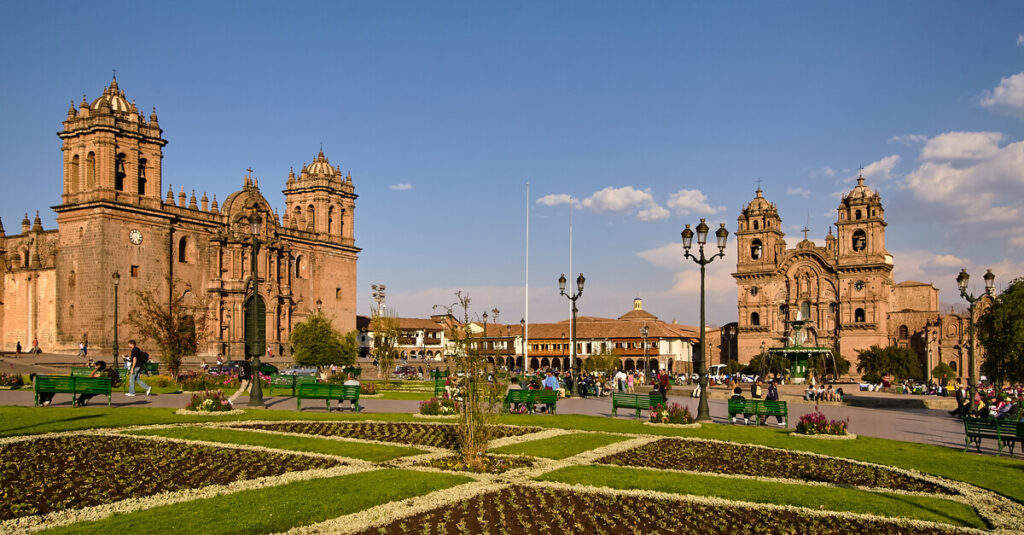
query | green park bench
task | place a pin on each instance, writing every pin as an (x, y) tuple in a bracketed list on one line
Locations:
[(81, 371), (328, 392), (288, 381), (759, 409), (439, 380), (1005, 432), (638, 402), (531, 398), (70, 384)]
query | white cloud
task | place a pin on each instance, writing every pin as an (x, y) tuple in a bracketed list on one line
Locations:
[(909, 139), (1007, 97), (653, 213), (971, 176), (685, 201), (669, 256), (881, 169), (961, 146), (555, 199), (799, 192), (400, 187), (1020, 39), (941, 270), (618, 200)]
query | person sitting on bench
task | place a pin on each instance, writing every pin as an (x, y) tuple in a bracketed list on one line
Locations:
[(737, 395)]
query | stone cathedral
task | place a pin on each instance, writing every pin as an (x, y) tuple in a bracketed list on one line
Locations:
[(114, 217), (845, 290)]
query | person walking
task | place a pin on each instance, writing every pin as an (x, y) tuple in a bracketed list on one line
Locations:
[(139, 359), (630, 381), (664, 383), (244, 379)]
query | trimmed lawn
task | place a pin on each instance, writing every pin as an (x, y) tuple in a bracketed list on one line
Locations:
[(356, 450), (561, 447), (998, 474), (274, 509), (404, 395), (810, 496)]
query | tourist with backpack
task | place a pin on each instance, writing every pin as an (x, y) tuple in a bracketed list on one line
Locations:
[(139, 360)]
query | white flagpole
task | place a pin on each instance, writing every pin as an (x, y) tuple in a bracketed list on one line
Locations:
[(572, 334), (526, 314)]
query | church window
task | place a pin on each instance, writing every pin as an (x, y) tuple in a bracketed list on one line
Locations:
[(310, 217), (90, 170), (755, 225), (71, 279), (755, 249), (858, 315), (753, 290), (856, 215), (330, 219), (952, 365), (341, 223), (860, 240), (134, 271), (119, 172), (782, 312), (805, 310), (24, 257), (755, 319), (904, 332), (182, 250), (142, 176), (299, 267), (73, 186)]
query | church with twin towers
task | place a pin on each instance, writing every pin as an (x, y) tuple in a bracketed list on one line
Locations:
[(118, 214)]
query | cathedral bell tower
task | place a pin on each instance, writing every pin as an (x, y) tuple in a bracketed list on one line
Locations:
[(760, 246), (320, 201), (759, 236), (861, 226), (111, 152)]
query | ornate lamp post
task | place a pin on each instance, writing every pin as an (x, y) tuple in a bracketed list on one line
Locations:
[(644, 331), (255, 342), (117, 281), (526, 350), (703, 414), (572, 297), (990, 287), (378, 295)]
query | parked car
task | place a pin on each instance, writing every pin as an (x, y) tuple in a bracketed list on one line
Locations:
[(265, 369), (295, 370)]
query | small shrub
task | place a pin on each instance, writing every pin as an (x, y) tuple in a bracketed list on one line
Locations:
[(209, 401), (13, 380), (195, 382), (368, 388), (816, 423), (674, 414), (160, 381), (436, 406)]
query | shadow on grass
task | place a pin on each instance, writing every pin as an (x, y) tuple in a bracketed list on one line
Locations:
[(51, 422)]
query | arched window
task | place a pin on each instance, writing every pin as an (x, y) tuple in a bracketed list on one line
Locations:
[(860, 240), (904, 332), (755, 319), (311, 217), (330, 219), (856, 215), (755, 225), (182, 250), (119, 172), (805, 310), (142, 176), (90, 170), (755, 249), (858, 315), (341, 223), (73, 179), (952, 365), (299, 266)]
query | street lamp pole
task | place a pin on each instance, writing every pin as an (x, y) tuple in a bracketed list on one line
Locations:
[(117, 281), (990, 288), (255, 349), (703, 414), (572, 297), (643, 333), (522, 324)]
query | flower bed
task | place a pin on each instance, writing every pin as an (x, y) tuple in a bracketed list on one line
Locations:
[(419, 434), (491, 464), (71, 472), (815, 423), (528, 509), (439, 406), (673, 414), (728, 458), (11, 380), (209, 401)]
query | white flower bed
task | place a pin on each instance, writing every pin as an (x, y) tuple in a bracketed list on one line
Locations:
[(435, 416), (848, 436), (694, 425), (186, 412)]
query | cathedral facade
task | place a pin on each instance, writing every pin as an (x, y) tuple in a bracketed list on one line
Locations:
[(844, 291), (57, 286)]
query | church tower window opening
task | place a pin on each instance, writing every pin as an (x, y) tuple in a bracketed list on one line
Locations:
[(330, 219), (856, 215), (860, 240), (119, 173), (311, 217), (755, 247), (858, 315), (755, 224), (755, 319), (90, 170), (182, 250), (74, 186), (904, 332), (142, 176), (805, 310)]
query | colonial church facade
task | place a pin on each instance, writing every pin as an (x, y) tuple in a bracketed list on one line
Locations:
[(57, 286), (844, 291)]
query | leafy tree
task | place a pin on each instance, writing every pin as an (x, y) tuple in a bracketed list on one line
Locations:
[(768, 363), (898, 362), (734, 367), (602, 361), (386, 333), (1000, 331), (942, 370), (315, 342), (823, 365), (177, 325)]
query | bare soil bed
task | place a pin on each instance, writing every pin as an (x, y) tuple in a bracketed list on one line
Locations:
[(53, 474), (727, 458), (490, 464), (532, 510), (418, 434)]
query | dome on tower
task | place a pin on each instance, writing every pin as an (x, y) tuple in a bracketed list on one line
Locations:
[(860, 194), (320, 168), (113, 98), (759, 205)]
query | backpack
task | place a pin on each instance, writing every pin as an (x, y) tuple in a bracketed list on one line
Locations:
[(115, 377), (143, 358)]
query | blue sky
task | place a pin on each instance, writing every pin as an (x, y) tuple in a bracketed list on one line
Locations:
[(650, 114)]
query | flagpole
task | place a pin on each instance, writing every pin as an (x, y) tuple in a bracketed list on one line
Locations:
[(526, 314), (572, 333)]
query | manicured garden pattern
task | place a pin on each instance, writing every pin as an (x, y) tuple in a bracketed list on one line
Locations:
[(434, 435), (728, 458), (491, 464), (523, 509), (562, 446), (71, 472)]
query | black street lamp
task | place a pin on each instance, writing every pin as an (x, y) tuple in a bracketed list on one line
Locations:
[(117, 281), (990, 288), (255, 343), (572, 297), (703, 414)]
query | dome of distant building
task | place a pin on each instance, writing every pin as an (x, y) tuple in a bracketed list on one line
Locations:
[(113, 98)]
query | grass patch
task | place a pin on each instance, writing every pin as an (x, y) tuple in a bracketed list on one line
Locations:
[(405, 395), (355, 450), (998, 474), (814, 497), (274, 509), (561, 447)]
